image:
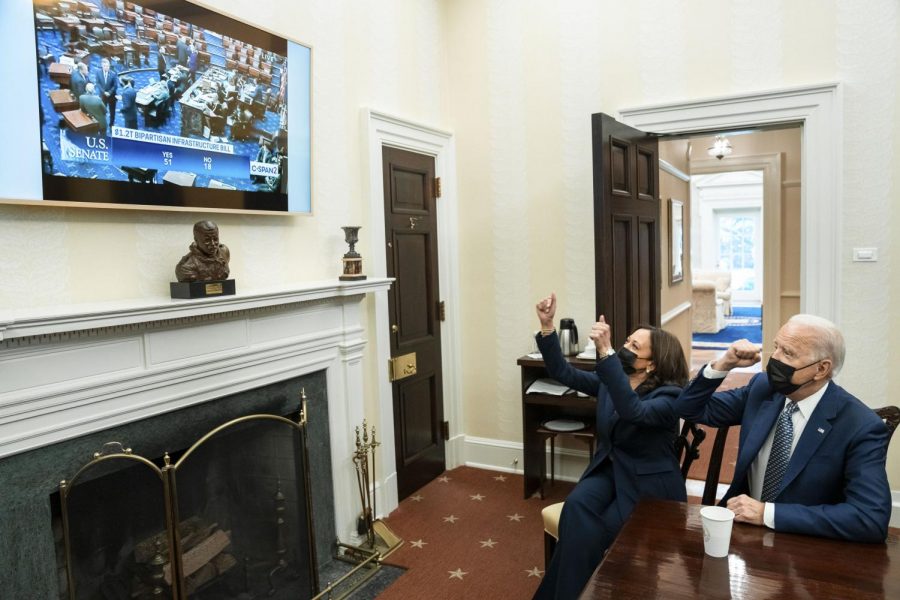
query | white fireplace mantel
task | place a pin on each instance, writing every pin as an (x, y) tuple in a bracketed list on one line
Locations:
[(85, 317), (78, 369)]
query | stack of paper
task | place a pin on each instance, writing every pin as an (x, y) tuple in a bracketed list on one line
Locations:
[(547, 386)]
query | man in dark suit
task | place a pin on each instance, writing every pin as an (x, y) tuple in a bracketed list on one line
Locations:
[(129, 104), (811, 458), (107, 83), (181, 51), (161, 65), (93, 105), (79, 79)]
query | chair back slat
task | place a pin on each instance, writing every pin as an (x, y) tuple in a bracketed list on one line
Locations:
[(687, 446)]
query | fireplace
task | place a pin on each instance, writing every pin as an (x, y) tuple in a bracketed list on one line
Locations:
[(238, 494), (155, 377)]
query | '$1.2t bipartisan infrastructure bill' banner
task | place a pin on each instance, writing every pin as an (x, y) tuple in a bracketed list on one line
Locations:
[(163, 152)]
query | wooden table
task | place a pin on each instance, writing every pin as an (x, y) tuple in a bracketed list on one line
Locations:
[(63, 100), (60, 73), (659, 554), (80, 122)]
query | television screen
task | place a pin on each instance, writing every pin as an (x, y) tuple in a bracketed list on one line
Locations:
[(166, 103)]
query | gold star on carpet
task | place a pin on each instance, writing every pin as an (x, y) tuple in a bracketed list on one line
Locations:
[(418, 544), (444, 479), (451, 519), (500, 478), (416, 498), (478, 497), (488, 543), (535, 572), (458, 574), (516, 517)]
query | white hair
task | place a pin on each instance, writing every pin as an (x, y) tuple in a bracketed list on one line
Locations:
[(89, 88), (829, 341)]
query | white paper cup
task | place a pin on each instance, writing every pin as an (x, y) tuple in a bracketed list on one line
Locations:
[(717, 521)]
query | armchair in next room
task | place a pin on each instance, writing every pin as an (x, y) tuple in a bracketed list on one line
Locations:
[(722, 280)]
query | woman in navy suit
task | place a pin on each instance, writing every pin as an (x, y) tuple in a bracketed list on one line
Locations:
[(636, 388)]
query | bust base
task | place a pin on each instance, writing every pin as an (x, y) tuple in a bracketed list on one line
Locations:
[(201, 289)]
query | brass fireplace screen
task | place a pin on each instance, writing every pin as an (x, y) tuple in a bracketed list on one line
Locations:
[(230, 517)]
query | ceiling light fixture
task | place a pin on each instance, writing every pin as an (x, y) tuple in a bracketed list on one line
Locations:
[(720, 148)]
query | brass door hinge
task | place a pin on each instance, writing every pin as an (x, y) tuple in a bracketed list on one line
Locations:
[(437, 187), (442, 311), (445, 430)]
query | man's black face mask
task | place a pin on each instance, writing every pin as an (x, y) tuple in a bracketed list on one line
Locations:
[(780, 375)]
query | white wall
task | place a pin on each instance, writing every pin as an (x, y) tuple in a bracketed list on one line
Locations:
[(525, 76), (516, 80)]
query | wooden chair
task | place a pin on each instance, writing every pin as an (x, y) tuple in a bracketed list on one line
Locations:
[(687, 449), (891, 417)]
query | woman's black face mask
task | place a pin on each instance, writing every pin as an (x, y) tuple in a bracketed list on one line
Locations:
[(628, 358), (780, 375)]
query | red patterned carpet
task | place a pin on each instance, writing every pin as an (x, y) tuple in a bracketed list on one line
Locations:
[(470, 534)]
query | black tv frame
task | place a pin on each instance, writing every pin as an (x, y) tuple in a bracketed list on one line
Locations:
[(84, 191)]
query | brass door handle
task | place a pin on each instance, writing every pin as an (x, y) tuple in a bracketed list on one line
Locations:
[(400, 367), (394, 329)]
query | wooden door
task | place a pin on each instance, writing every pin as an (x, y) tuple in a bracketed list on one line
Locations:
[(414, 309), (626, 225)]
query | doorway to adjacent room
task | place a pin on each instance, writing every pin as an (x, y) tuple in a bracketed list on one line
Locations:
[(727, 241)]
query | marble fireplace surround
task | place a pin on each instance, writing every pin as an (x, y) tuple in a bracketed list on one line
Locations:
[(72, 371)]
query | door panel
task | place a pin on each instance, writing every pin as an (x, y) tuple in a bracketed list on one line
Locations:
[(626, 229), (413, 296), (411, 231), (417, 412)]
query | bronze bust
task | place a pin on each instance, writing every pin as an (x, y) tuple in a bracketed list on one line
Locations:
[(207, 259)]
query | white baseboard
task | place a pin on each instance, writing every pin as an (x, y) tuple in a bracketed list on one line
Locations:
[(505, 456), (895, 508)]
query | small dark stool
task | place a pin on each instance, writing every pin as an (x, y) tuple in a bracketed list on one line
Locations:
[(586, 435)]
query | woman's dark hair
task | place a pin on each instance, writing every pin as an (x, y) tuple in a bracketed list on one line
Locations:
[(670, 366)]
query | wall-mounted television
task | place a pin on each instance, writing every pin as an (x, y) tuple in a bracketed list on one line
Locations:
[(160, 103)]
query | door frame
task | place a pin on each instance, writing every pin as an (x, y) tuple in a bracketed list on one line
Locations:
[(382, 129), (773, 295), (819, 109)]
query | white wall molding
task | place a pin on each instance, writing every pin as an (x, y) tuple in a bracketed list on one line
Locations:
[(671, 314), (673, 170), (67, 382), (818, 108), (381, 130)]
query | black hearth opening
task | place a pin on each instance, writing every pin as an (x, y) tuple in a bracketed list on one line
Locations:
[(235, 506)]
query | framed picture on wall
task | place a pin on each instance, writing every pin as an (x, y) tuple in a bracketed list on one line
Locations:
[(676, 241), (166, 104)]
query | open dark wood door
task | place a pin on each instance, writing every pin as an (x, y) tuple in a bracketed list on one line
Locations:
[(413, 305), (626, 225)]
